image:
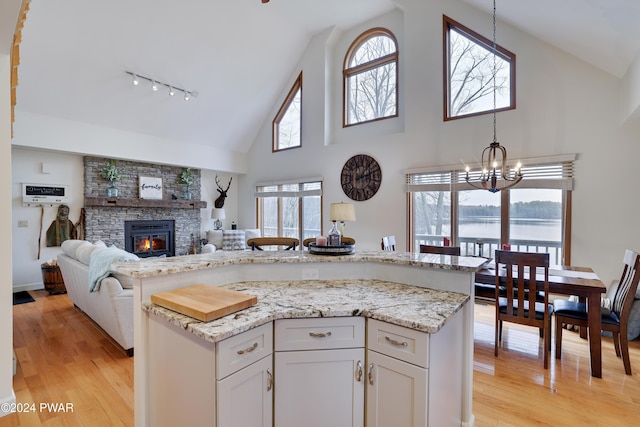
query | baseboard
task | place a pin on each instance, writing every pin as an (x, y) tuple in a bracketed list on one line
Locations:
[(7, 403), (28, 287)]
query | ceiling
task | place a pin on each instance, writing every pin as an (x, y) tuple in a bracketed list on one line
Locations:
[(239, 55)]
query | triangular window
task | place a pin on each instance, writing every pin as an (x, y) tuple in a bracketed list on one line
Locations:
[(287, 124)]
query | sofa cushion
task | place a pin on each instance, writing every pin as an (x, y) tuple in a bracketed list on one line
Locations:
[(70, 247), (215, 238), (84, 252), (233, 240), (250, 233)]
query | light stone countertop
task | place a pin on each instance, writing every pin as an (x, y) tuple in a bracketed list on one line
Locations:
[(162, 266), (415, 307)]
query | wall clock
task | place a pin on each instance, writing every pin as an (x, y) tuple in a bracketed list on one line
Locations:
[(361, 177)]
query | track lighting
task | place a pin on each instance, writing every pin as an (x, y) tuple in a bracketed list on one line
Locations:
[(156, 84)]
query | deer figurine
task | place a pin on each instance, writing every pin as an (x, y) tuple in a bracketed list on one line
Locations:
[(219, 202)]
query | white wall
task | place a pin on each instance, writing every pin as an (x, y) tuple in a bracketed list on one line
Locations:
[(6, 312), (563, 106), (68, 169)]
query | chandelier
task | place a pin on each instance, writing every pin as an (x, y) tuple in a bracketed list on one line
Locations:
[(494, 157)]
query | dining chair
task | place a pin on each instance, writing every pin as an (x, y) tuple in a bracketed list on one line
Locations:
[(345, 240), (442, 250), (388, 243), (526, 274), (615, 320), (257, 243)]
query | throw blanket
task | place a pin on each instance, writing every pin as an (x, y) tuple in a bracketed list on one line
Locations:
[(100, 264)]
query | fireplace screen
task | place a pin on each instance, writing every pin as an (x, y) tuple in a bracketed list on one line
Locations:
[(150, 238)]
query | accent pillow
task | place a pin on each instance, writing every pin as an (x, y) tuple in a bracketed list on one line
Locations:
[(250, 233), (233, 240), (215, 238), (70, 247)]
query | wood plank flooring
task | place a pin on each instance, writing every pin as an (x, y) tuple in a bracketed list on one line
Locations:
[(63, 357)]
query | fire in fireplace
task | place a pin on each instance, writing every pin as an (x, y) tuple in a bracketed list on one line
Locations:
[(149, 238)]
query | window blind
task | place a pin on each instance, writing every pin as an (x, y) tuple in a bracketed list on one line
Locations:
[(297, 188), (548, 172)]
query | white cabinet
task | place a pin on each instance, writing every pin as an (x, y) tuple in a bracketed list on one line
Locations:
[(245, 398), (244, 372), (396, 392), (324, 384), (397, 376)]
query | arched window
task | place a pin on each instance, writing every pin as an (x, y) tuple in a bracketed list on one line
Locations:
[(371, 77)]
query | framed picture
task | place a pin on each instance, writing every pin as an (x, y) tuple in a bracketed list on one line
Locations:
[(150, 188)]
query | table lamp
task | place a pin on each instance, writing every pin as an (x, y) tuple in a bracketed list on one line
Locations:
[(341, 212), (218, 214)]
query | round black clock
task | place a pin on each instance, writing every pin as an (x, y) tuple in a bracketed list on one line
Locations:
[(361, 177)]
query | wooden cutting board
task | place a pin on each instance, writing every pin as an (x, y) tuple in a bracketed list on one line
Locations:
[(204, 302)]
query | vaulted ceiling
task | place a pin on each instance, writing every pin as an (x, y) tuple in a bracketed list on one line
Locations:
[(239, 54)]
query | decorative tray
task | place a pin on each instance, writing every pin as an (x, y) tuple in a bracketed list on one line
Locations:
[(343, 249)]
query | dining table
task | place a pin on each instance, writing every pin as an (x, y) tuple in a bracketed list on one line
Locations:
[(570, 280)]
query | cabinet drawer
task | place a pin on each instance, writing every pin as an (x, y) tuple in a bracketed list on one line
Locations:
[(319, 333), (399, 342), (242, 350)]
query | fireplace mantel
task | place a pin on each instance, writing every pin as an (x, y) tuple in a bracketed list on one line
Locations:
[(144, 203)]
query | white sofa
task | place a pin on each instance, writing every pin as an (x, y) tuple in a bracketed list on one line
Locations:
[(111, 305), (229, 239)]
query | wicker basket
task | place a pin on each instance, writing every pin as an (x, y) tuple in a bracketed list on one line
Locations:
[(52, 279)]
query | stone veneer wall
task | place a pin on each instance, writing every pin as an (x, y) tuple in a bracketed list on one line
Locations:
[(107, 223)]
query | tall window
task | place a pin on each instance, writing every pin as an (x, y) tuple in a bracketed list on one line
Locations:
[(371, 77), (290, 208), (531, 217), (287, 124), (470, 73)]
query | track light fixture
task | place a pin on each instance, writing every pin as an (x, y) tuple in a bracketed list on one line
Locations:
[(156, 84)]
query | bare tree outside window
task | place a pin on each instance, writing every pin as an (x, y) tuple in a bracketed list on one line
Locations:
[(472, 72), (371, 77)]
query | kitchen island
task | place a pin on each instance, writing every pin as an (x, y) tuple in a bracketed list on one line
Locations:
[(181, 370)]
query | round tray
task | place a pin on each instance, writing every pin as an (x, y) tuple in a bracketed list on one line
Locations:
[(331, 250)]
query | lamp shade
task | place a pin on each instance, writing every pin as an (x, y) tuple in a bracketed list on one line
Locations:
[(218, 213), (342, 212)]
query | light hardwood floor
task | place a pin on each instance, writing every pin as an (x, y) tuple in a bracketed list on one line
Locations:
[(64, 358)]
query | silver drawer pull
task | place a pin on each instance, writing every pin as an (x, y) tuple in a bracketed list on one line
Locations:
[(371, 373), (320, 334), (394, 342), (269, 380), (359, 371), (249, 349)]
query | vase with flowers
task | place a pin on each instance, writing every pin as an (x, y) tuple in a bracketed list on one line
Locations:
[(187, 178), (112, 174)]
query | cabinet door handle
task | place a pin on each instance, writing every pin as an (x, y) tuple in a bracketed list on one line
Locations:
[(370, 374), (248, 349), (398, 343), (320, 334), (269, 380), (359, 371)]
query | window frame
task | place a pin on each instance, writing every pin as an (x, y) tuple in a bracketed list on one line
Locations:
[(348, 72), (553, 172), (280, 193), (275, 128), (504, 54)]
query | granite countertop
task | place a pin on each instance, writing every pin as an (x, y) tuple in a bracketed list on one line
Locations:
[(162, 266), (418, 308)]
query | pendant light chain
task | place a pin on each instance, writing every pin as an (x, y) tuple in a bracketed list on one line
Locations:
[(495, 71)]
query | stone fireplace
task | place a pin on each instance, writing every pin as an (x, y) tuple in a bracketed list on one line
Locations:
[(106, 218)]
